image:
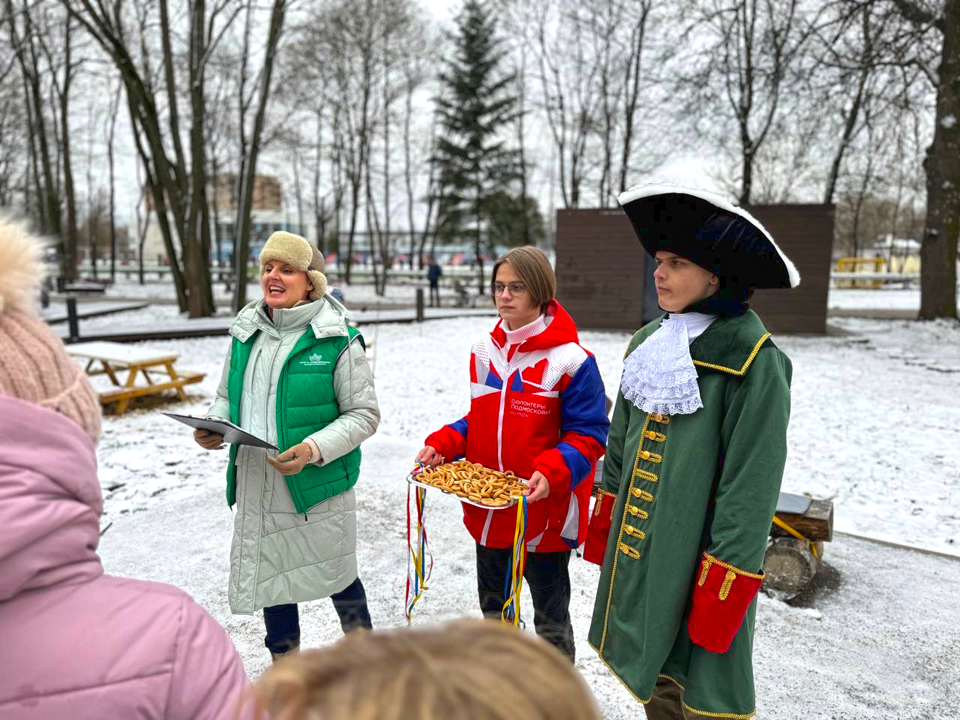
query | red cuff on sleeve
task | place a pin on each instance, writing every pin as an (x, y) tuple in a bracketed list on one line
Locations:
[(448, 442), (551, 465), (721, 595), (599, 528)]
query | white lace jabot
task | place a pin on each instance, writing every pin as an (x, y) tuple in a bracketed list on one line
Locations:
[(659, 375)]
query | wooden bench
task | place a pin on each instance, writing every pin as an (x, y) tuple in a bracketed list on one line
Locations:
[(156, 367)]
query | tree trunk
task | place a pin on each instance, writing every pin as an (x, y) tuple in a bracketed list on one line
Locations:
[(70, 240), (385, 236), (355, 202), (114, 110), (521, 141), (632, 93), (408, 171), (196, 240), (477, 245), (746, 186), (854, 113), (138, 118), (244, 221), (938, 251)]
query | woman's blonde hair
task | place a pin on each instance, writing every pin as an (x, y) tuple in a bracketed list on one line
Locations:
[(463, 670), (533, 269)]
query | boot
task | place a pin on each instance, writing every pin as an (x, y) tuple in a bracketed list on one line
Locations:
[(275, 656)]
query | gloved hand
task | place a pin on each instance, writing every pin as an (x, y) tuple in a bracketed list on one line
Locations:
[(291, 461)]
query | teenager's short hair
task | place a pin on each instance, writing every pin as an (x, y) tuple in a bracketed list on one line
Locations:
[(533, 269), (466, 669)]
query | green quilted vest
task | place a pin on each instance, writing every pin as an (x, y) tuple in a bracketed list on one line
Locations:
[(306, 403)]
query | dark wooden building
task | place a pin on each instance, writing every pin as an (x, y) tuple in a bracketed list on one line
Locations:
[(604, 277)]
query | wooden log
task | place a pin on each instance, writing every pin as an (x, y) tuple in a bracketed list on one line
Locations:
[(789, 566), (815, 524)]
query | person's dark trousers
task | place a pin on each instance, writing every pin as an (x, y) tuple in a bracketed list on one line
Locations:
[(351, 607), (283, 621), (547, 576), (434, 294)]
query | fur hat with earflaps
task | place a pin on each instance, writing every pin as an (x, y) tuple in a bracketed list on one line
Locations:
[(35, 366), (296, 252)]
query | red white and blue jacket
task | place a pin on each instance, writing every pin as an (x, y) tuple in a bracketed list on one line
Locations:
[(540, 406)]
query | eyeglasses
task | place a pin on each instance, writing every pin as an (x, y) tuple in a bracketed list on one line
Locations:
[(516, 288)]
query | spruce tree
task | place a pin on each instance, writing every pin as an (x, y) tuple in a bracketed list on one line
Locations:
[(475, 107)]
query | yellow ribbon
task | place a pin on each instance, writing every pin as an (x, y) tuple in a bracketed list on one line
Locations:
[(517, 561)]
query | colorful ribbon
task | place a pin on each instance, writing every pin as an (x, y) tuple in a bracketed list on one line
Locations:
[(518, 557), (418, 569)]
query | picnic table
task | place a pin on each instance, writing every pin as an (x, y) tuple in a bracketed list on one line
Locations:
[(156, 367)]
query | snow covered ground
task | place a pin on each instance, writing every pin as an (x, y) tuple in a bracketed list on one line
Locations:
[(885, 298), (875, 426)]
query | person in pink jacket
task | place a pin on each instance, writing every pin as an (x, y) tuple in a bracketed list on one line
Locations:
[(76, 644)]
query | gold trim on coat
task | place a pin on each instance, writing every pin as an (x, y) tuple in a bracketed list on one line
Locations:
[(746, 365), (716, 561), (616, 556), (705, 713)]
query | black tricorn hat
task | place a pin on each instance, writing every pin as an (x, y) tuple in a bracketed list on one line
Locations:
[(711, 232)]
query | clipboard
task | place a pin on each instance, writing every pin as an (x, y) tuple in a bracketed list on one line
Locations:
[(233, 434)]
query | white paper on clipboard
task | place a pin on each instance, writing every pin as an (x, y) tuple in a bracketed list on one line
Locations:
[(233, 434), (413, 481)]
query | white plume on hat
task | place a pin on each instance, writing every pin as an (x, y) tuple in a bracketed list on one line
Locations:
[(297, 252)]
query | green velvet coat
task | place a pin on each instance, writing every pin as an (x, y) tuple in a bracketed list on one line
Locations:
[(685, 484)]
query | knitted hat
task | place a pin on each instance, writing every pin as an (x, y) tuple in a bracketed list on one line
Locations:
[(296, 252), (35, 366)]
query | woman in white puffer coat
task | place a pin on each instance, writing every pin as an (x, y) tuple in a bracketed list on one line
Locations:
[(296, 376)]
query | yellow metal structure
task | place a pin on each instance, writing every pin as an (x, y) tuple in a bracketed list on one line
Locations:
[(855, 265)]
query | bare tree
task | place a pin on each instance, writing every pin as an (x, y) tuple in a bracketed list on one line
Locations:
[(568, 76), (177, 179), (250, 152), (115, 97), (633, 81), (340, 45), (741, 57), (142, 210), (26, 41), (61, 87), (414, 70), (15, 158), (938, 249)]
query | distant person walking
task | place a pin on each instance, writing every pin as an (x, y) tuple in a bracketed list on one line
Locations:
[(434, 273)]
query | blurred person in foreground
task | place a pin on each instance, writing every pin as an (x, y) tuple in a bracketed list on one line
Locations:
[(78, 644), (463, 670)]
